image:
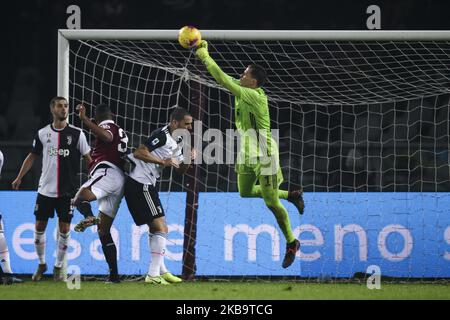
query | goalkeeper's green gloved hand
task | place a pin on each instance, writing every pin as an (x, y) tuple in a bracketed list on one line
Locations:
[(202, 50)]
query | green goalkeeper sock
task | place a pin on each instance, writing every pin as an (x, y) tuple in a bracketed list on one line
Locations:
[(284, 223), (270, 194)]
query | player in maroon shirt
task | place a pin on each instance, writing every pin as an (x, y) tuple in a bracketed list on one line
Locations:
[(106, 150), (106, 182)]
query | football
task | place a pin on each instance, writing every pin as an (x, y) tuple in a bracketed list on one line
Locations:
[(189, 37)]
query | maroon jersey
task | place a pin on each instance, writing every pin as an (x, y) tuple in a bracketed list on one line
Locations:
[(109, 152)]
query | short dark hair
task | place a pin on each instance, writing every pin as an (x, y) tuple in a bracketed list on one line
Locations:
[(179, 113), (259, 74), (53, 101), (102, 108), (102, 111)]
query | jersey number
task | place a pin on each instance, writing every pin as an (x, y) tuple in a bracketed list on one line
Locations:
[(122, 146)]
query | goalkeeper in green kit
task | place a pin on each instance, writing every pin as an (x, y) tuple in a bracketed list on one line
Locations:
[(258, 158)]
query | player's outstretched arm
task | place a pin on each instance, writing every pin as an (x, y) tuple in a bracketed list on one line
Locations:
[(99, 132), (26, 166), (143, 153), (221, 77)]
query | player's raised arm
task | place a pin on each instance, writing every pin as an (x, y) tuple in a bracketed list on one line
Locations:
[(221, 77), (98, 131), (87, 159), (85, 149)]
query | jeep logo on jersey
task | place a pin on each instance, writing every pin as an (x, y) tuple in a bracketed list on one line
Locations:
[(58, 152), (69, 140)]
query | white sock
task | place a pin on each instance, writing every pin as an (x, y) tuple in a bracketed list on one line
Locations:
[(39, 244), (162, 268), (63, 242), (4, 253), (157, 243)]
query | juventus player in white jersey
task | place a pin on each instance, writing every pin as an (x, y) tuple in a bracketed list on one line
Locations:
[(61, 146), (6, 274), (161, 150)]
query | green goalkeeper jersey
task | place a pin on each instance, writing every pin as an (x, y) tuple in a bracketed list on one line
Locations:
[(251, 113)]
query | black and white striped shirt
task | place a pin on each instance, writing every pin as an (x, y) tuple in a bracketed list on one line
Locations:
[(162, 145), (61, 151)]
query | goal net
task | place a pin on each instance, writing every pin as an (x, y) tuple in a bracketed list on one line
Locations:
[(363, 128)]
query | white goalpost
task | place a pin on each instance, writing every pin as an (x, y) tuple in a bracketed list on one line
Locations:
[(364, 129), (64, 36)]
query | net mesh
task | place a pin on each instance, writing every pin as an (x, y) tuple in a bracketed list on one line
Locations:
[(355, 120)]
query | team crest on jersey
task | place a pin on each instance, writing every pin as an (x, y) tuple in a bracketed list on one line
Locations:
[(159, 209), (69, 140)]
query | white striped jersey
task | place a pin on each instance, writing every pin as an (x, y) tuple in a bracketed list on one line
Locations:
[(61, 151), (162, 145)]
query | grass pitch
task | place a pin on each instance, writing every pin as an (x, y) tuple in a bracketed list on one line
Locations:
[(47, 289)]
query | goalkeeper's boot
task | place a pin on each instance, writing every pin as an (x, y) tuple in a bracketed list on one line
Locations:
[(170, 278), (86, 223), (156, 280), (296, 198), (291, 250), (58, 274), (113, 278), (8, 279), (37, 276)]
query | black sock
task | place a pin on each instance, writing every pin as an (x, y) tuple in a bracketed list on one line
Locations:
[(85, 209), (110, 252)]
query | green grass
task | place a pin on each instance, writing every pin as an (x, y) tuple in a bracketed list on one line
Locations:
[(222, 291)]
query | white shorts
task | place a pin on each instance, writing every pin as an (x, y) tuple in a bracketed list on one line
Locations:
[(107, 184)]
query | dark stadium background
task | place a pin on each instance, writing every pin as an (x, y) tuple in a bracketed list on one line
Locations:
[(29, 43)]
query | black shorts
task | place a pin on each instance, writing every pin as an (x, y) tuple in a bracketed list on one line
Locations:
[(142, 201), (45, 208)]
